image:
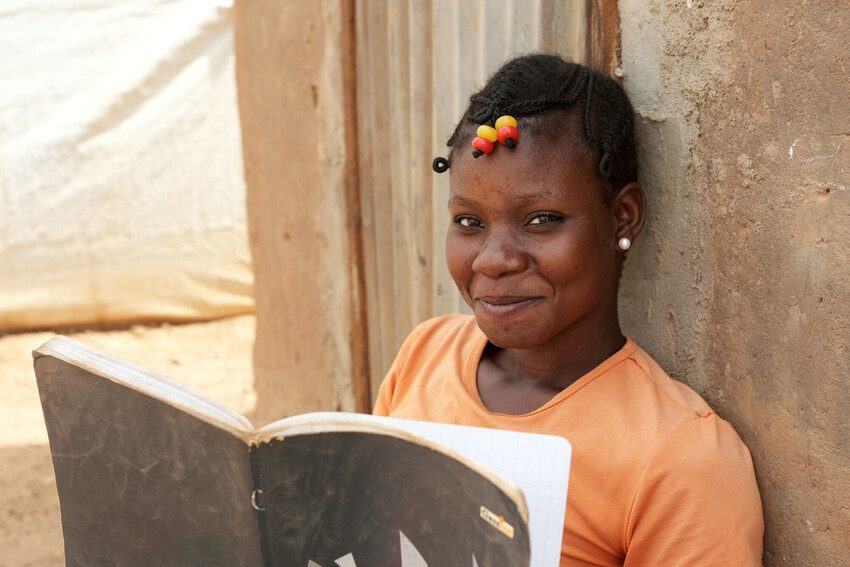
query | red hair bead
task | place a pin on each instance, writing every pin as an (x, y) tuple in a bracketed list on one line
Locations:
[(508, 135), (481, 146)]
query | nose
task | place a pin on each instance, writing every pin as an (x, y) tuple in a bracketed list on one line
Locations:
[(500, 255)]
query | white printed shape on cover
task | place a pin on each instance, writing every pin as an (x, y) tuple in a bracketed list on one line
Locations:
[(346, 561), (410, 556)]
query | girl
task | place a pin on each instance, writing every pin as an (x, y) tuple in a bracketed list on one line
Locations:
[(542, 219)]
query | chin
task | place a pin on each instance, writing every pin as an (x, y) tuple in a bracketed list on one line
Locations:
[(515, 335)]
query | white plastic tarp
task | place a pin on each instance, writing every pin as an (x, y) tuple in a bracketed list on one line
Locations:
[(122, 195)]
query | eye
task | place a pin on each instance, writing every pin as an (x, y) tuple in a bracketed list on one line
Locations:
[(539, 219), (468, 222)]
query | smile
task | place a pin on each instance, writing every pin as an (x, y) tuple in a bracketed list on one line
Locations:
[(506, 306)]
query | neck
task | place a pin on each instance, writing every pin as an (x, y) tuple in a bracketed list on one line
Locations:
[(567, 357)]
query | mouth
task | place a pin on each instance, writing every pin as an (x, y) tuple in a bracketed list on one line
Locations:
[(505, 305)]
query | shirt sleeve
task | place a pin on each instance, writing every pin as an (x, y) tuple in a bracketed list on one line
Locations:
[(698, 502), (384, 402)]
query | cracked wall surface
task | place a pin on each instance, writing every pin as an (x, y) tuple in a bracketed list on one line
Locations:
[(739, 284)]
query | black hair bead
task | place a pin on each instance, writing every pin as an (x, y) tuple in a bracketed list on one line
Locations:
[(440, 164)]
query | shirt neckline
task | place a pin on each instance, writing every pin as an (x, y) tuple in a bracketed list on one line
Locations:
[(470, 374)]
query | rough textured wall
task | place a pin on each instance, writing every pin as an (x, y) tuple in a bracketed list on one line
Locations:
[(298, 154), (740, 285)]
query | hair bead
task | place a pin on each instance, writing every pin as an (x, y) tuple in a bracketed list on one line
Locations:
[(440, 164), (548, 85), (505, 121), (509, 136), (487, 132), (482, 145)]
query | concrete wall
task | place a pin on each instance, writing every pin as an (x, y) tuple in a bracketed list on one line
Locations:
[(295, 85), (740, 284)]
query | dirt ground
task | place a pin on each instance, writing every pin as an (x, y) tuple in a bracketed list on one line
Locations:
[(214, 358)]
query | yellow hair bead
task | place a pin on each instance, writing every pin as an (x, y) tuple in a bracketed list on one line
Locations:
[(487, 133), (505, 121)]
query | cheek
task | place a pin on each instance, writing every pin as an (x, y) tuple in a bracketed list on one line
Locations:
[(576, 259), (459, 257), (563, 256)]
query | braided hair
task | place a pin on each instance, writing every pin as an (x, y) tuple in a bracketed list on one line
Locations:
[(549, 93)]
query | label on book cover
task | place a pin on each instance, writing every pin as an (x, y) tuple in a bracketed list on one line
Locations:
[(497, 522)]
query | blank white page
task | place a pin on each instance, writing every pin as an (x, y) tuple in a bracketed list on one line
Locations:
[(538, 464)]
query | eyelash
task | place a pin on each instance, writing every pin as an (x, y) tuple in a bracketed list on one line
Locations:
[(459, 221), (552, 218)]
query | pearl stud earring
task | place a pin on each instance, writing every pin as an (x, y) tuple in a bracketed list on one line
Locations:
[(624, 243)]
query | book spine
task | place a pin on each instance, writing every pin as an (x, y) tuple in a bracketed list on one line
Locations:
[(258, 501)]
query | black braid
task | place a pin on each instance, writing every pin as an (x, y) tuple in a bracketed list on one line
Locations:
[(588, 98), (580, 77), (543, 91), (484, 112), (604, 164), (534, 105), (607, 148)]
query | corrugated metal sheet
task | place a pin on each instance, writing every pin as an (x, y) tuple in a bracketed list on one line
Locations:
[(417, 63)]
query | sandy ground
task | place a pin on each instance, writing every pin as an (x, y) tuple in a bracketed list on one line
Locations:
[(213, 358)]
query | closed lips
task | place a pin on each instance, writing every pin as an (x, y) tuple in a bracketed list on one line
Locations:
[(506, 300), (506, 306)]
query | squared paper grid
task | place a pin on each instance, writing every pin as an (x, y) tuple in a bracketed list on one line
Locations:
[(538, 464)]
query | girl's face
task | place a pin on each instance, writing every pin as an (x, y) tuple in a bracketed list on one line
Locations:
[(532, 246)]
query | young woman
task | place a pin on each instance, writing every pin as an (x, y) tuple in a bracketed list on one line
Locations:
[(543, 214)]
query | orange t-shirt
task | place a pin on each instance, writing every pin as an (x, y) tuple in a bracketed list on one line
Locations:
[(657, 478)]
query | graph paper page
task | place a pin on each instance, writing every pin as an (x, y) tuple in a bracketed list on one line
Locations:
[(538, 464)]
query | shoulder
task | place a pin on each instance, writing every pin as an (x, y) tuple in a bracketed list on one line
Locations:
[(698, 472), (435, 354), (706, 446), (685, 427), (697, 501), (678, 397), (443, 329), (444, 338), (641, 401)]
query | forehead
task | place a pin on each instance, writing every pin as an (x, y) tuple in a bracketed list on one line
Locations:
[(531, 170)]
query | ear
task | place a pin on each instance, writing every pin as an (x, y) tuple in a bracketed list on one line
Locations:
[(627, 211)]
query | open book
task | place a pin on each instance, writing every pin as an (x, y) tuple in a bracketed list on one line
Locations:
[(150, 473)]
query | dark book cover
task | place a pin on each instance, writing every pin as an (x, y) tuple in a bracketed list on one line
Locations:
[(149, 473)]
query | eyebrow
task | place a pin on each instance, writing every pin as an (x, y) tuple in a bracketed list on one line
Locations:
[(462, 201), (520, 201), (525, 200)]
